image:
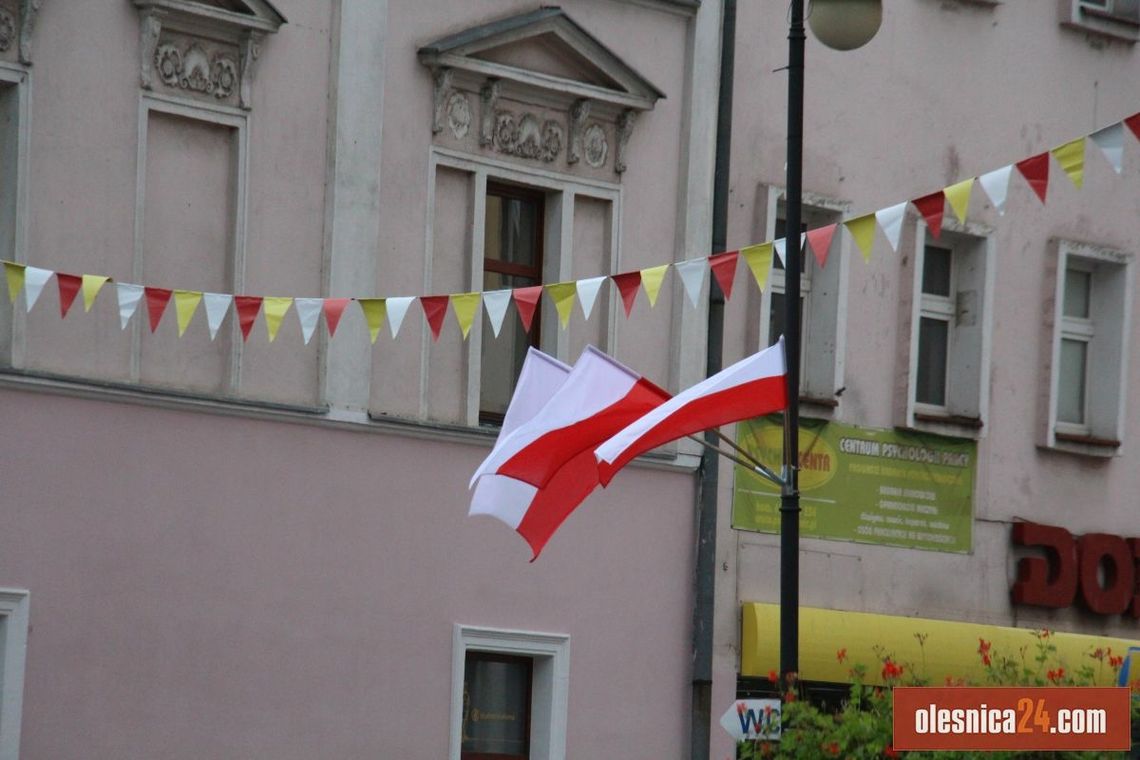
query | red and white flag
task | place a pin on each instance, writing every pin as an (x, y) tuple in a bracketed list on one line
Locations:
[(749, 388), (600, 397)]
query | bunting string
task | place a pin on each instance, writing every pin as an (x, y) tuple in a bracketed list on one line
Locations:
[(466, 307)]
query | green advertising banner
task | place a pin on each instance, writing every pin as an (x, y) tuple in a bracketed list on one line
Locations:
[(892, 487)]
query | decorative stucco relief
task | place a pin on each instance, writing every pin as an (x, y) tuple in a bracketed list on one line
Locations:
[(595, 146), (17, 22), (526, 136), (458, 115), (7, 30), (193, 69)]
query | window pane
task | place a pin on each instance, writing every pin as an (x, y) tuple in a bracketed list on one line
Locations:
[(496, 705), (933, 344), (511, 230), (502, 357), (1077, 290), (936, 271), (1071, 381)]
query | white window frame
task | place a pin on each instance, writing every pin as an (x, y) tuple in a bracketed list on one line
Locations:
[(1101, 20), (15, 186), (550, 686), (969, 312), (1107, 332), (824, 292), (14, 619)]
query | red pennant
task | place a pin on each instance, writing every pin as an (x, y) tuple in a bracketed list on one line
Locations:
[(1133, 123), (820, 242), (1036, 173), (627, 284), (526, 301), (723, 267), (435, 309), (247, 308), (931, 207), (334, 308), (156, 300), (68, 289)]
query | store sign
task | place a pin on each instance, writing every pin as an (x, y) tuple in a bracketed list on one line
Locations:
[(1100, 568), (748, 719), (871, 485)]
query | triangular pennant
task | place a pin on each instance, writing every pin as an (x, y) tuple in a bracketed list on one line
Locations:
[(723, 266), (308, 314), (1071, 157), (334, 308), (759, 260), (247, 308), (129, 297), (465, 306), (692, 274), (156, 300), (496, 303), (780, 247), (1133, 123), (397, 309), (435, 309), (375, 310), (958, 196), (185, 304), (1110, 140), (996, 185), (651, 280), (526, 300), (217, 304), (1036, 172), (92, 284), (627, 284), (932, 207), (34, 281), (275, 308), (862, 229), (15, 276), (563, 294), (820, 242), (69, 285), (588, 294), (891, 221)]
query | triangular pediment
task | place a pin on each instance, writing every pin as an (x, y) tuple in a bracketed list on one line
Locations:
[(546, 50), (258, 15)]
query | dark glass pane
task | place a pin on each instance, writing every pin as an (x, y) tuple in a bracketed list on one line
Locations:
[(933, 343), (1078, 292), (936, 271), (511, 231), (496, 703), (1071, 381)]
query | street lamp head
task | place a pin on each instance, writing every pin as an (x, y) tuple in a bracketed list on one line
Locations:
[(845, 24)]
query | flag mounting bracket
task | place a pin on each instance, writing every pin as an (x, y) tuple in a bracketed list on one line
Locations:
[(744, 460)]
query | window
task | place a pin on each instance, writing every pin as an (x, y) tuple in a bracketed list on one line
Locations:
[(949, 339), (14, 136), (1089, 356), (1111, 18), (512, 251), (13, 645), (509, 694), (821, 298)]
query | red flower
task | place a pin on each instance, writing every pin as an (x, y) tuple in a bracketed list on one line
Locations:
[(790, 697), (773, 676), (1098, 654), (833, 748), (1115, 661), (1056, 675), (1135, 686), (841, 655), (891, 670), (890, 751)]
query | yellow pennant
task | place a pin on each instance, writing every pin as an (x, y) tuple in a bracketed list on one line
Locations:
[(651, 280), (91, 285), (958, 195), (466, 306), (185, 302), (15, 275), (375, 310), (759, 258), (863, 230), (275, 308), (1071, 157), (563, 294)]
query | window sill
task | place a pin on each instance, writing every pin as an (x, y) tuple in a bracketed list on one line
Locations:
[(1084, 445), (957, 420), (1104, 25), (1086, 440), (950, 425), (826, 403)]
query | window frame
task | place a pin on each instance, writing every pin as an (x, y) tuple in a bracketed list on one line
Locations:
[(508, 658), (942, 309), (550, 680), (1107, 331), (14, 616), (1101, 20), (13, 320)]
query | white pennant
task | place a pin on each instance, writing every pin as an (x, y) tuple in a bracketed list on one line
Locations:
[(217, 304), (588, 293), (891, 220), (496, 302), (1110, 140), (34, 281), (309, 313), (397, 308), (692, 274), (996, 185), (781, 245), (129, 297)]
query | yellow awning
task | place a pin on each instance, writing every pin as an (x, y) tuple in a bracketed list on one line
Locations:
[(950, 648)]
